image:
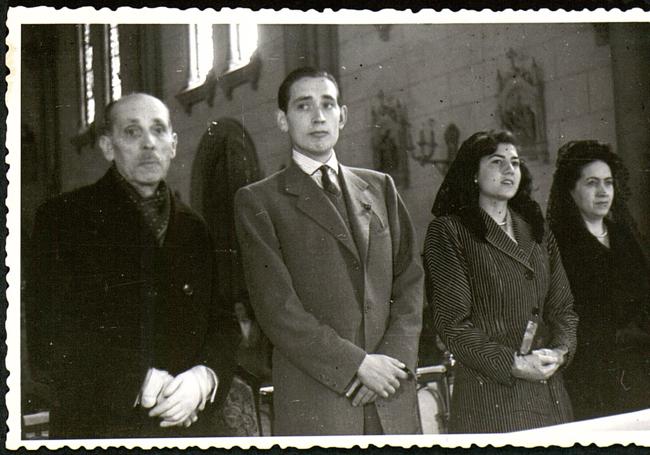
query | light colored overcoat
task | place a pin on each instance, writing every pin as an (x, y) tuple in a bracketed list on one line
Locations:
[(326, 296)]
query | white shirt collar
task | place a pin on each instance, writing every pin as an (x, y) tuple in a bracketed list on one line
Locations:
[(310, 165)]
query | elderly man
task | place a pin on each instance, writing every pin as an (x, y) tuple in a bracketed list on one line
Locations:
[(121, 309), (334, 277)]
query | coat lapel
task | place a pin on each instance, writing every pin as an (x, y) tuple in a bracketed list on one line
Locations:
[(118, 219), (314, 203), (359, 203), (519, 251)]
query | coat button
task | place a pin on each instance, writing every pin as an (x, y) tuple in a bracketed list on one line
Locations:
[(188, 289), (151, 292), (529, 275)]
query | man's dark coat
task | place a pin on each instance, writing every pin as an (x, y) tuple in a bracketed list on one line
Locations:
[(105, 302)]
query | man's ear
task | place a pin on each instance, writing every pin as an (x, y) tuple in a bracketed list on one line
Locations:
[(344, 116), (106, 145), (281, 119)]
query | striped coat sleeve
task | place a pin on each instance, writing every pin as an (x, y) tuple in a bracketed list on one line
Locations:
[(452, 305), (559, 314)]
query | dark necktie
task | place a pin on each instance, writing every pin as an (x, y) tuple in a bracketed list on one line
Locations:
[(328, 185)]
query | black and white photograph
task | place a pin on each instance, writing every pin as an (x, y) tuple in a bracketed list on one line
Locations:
[(239, 228)]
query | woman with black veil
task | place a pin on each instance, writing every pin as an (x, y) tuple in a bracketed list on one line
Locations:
[(500, 297), (609, 279)]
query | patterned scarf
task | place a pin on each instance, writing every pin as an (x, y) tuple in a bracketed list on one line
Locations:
[(155, 210)]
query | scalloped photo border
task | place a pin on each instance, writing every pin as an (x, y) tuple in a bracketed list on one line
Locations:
[(629, 429)]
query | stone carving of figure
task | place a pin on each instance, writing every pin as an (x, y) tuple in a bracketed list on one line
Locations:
[(521, 104)]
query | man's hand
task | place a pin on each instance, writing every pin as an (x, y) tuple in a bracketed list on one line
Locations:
[(184, 396), (364, 396), (381, 374), (153, 384), (189, 421)]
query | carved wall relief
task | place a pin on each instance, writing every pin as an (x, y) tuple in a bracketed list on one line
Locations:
[(391, 137), (384, 31), (521, 105)]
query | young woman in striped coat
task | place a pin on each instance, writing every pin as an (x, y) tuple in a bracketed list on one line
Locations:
[(497, 280)]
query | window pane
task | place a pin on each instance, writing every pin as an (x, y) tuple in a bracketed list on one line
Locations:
[(114, 59), (201, 52), (247, 41), (243, 43), (88, 80)]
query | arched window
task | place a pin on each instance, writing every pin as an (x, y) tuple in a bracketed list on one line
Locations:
[(219, 55)]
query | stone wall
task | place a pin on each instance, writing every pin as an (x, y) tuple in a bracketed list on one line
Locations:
[(444, 72), (449, 73)]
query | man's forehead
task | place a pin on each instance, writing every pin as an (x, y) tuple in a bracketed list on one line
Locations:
[(313, 87), (139, 108)]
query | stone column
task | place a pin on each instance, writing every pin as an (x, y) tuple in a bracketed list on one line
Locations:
[(630, 46)]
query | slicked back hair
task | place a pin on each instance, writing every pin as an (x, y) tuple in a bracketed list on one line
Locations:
[(284, 92)]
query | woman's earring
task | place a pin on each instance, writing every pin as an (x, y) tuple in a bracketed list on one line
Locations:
[(475, 180)]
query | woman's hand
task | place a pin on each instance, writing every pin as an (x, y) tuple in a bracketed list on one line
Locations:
[(539, 365), (557, 353)]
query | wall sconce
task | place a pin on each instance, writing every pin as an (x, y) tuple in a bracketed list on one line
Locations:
[(427, 149)]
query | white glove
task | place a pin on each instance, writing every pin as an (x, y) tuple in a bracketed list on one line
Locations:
[(153, 384), (184, 396)]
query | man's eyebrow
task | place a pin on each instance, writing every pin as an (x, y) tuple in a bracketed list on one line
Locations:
[(303, 98)]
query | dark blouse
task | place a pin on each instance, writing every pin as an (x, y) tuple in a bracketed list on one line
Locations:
[(611, 287)]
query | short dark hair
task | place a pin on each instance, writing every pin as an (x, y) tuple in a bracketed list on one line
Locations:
[(459, 193), (284, 92), (572, 158)]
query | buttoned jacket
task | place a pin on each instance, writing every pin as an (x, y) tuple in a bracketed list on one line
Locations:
[(326, 295), (484, 292)]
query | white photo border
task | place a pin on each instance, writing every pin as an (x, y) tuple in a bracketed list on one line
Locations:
[(17, 16)]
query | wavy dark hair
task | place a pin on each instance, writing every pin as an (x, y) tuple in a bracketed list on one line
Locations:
[(459, 193), (562, 212)]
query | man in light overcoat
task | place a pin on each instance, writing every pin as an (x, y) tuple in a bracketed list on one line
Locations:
[(334, 277)]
